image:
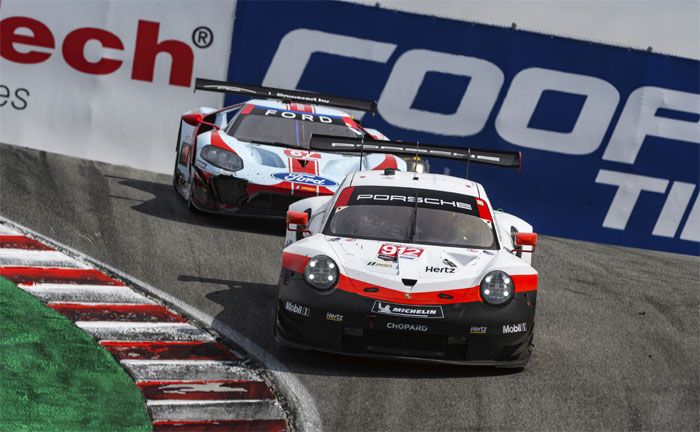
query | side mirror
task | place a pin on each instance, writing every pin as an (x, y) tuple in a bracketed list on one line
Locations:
[(192, 119), (196, 120), (298, 218), (525, 239)]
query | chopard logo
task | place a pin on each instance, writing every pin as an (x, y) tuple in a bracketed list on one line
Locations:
[(411, 327)]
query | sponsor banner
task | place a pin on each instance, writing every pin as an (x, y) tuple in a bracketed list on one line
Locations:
[(609, 135), (108, 80)]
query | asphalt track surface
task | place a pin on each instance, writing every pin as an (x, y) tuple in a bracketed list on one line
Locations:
[(616, 342)]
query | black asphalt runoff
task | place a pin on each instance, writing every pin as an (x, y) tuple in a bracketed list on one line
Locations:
[(616, 341)]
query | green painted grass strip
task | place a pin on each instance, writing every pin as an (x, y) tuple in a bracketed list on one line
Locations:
[(54, 376)]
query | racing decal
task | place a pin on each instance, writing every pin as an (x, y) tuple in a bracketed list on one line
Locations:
[(218, 141), (301, 154), (449, 263), (478, 330), (515, 328), (330, 316), (344, 196), (407, 311), (483, 209), (247, 108), (294, 262), (298, 163), (286, 188), (303, 178), (301, 107), (380, 264), (388, 162), (526, 282), (405, 326), (431, 269), (409, 197), (296, 115), (391, 252), (297, 309)]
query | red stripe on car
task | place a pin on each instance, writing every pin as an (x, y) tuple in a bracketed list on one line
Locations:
[(526, 282), (168, 350), (220, 425), (32, 275), (294, 262), (217, 141), (344, 196), (116, 312), (483, 208), (297, 263), (388, 162), (21, 242), (205, 390), (247, 108)]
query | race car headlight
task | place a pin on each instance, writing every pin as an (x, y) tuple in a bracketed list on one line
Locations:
[(497, 288), (321, 273), (221, 158)]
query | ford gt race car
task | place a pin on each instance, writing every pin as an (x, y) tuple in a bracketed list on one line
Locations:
[(254, 158), (410, 265)]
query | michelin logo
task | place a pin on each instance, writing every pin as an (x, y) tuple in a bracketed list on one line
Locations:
[(408, 311)]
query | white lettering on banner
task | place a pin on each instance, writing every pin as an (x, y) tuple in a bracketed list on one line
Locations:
[(520, 104), (691, 231), (674, 207), (629, 186), (106, 77), (297, 46), (639, 120), (407, 76)]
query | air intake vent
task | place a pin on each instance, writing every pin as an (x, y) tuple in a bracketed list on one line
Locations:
[(409, 282)]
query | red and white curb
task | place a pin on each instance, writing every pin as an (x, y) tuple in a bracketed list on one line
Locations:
[(190, 380)]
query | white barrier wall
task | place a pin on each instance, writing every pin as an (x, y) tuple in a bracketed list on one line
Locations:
[(108, 80)]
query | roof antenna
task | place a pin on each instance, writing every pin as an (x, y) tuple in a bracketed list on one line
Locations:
[(415, 163), (469, 159), (362, 151)]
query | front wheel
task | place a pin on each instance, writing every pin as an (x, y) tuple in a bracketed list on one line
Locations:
[(190, 205)]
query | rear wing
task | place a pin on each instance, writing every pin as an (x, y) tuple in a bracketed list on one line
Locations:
[(328, 143), (285, 95)]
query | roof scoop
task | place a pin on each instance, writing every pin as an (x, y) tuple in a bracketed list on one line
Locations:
[(409, 282)]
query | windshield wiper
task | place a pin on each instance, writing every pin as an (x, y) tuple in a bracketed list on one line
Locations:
[(272, 143)]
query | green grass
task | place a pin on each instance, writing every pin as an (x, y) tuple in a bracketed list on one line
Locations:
[(54, 376)]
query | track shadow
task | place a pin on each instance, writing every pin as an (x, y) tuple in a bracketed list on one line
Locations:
[(249, 308), (167, 204)]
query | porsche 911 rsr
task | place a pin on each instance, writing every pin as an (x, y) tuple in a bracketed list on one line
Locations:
[(254, 157), (414, 266)]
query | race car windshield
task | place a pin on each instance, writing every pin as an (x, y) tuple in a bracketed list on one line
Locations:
[(289, 128), (391, 214)]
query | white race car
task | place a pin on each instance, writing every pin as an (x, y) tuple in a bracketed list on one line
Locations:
[(410, 265), (254, 158)]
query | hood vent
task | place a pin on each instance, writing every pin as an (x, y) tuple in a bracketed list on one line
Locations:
[(409, 282)]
